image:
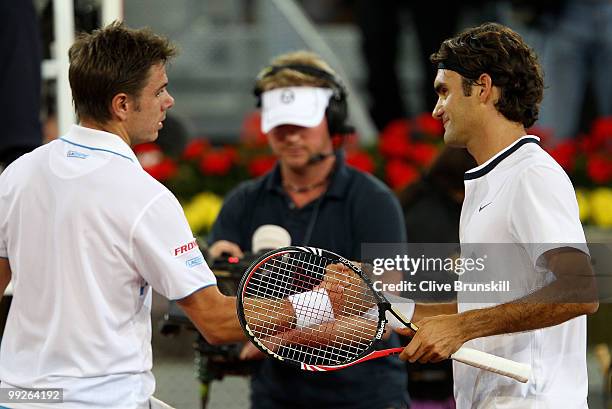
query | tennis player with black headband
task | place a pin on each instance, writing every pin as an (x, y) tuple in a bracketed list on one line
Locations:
[(518, 199), (321, 202)]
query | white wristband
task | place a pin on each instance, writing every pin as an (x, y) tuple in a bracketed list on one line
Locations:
[(406, 308), (311, 308)]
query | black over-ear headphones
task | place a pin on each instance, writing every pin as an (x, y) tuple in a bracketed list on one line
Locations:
[(337, 110)]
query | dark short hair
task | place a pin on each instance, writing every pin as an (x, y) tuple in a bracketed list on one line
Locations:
[(497, 50), (111, 60)]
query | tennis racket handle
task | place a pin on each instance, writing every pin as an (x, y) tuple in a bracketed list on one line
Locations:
[(493, 363)]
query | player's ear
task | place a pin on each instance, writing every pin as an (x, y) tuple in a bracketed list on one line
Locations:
[(486, 88), (119, 106)]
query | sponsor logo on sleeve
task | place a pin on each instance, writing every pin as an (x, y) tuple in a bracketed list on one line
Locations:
[(196, 261), (185, 248)]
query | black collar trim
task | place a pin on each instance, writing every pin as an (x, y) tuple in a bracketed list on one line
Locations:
[(497, 160)]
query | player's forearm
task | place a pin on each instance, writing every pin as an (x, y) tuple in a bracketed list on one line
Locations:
[(343, 330), (228, 328), (518, 316), (571, 294), (274, 315), (214, 315)]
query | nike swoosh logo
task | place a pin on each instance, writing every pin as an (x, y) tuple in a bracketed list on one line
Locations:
[(482, 207)]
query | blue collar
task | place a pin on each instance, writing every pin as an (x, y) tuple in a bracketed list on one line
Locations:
[(102, 141)]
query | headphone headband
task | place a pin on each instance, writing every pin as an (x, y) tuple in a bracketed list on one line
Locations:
[(337, 110), (336, 84)]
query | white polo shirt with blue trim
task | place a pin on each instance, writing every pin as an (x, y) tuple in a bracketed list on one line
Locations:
[(88, 233)]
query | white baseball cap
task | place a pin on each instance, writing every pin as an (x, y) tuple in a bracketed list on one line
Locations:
[(302, 106)]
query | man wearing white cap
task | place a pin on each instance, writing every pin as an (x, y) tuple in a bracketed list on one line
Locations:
[(321, 202)]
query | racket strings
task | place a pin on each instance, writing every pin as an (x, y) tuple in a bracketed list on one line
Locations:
[(351, 326), (338, 346), (353, 300), (277, 283), (338, 337), (260, 317), (309, 277)]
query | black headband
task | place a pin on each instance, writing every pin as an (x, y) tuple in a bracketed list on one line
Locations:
[(453, 65)]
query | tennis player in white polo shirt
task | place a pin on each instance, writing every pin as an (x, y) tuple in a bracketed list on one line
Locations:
[(86, 233), (489, 85)]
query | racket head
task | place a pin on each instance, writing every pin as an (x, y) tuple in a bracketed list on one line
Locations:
[(291, 270)]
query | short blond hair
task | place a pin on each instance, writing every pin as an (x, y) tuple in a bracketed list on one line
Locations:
[(292, 78)]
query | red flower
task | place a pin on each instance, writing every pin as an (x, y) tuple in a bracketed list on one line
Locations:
[(599, 169), (400, 174), (146, 147), (251, 130), (163, 170), (217, 162), (423, 154), (232, 152), (588, 144), (395, 139), (148, 155), (360, 160), (429, 125), (398, 126), (602, 131), (261, 165), (565, 154), (347, 141), (195, 149)]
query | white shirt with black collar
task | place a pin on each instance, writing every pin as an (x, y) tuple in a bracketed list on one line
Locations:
[(518, 205), (88, 233)]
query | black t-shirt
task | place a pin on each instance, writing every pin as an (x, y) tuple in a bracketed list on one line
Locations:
[(356, 209)]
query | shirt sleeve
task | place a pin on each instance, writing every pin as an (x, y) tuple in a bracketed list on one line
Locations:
[(166, 253), (544, 212)]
